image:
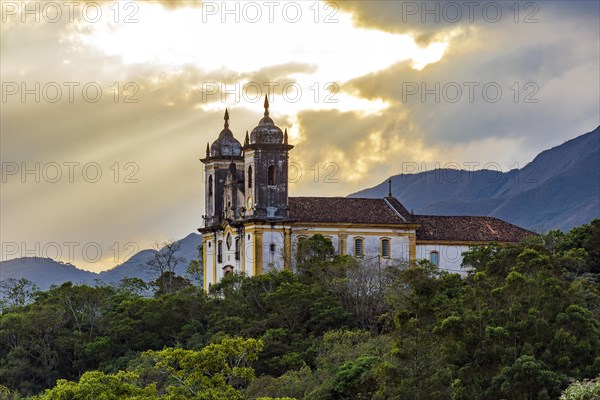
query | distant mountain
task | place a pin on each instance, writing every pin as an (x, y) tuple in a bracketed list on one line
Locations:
[(134, 266), (45, 272), (559, 189)]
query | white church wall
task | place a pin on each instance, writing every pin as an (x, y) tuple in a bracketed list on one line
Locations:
[(272, 256), (248, 254), (228, 256), (450, 256), (399, 241), (209, 253)]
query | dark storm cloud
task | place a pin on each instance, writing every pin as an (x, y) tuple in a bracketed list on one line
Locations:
[(426, 20)]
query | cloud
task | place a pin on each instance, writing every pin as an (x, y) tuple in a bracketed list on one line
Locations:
[(428, 21), (539, 69)]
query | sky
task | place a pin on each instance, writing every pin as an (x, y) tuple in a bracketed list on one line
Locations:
[(107, 106)]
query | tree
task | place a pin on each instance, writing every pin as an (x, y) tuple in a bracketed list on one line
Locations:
[(420, 298), (165, 260), (582, 390), (219, 369), (528, 378), (7, 394), (195, 269), (216, 372), (16, 293), (361, 287), (313, 252), (586, 237), (169, 280), (101, 386), (135, 286)]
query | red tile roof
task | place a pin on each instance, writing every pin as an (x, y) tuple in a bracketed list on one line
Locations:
[(342, 210), (468, 229), (391, 211)]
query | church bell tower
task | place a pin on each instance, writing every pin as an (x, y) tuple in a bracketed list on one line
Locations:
[(266, 170), (222, 157)]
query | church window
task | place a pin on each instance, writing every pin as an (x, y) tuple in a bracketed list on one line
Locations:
[(220, 251), (228, 241), (271, 175), (385, 248), (434, 257), (250, 177), (359, 247), (210, 186), (237, 248), (272, 247)]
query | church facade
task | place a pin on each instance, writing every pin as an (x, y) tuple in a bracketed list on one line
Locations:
[(252, 226)]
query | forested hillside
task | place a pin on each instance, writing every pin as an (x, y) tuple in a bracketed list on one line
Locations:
[(523, 324)]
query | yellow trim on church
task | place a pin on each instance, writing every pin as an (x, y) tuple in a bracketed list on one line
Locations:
[(344, 225), (287, 248), (412, 249), (258, 250)]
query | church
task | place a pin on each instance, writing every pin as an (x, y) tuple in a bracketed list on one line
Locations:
[(252, 226)]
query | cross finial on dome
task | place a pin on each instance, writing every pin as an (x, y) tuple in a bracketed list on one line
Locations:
[(226, 118), (266, 105)]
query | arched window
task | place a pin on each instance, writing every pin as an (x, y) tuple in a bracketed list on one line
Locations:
[(385, 248), (228, 269), (359, 247), (220, 251), (271, 175), (250, 177), (434, 257), (210, 185), (237, 248)]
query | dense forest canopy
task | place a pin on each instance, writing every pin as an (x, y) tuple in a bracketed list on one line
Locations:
[(523, 324)]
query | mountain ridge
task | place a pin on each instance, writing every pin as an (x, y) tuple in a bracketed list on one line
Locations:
[(45, 272), (558, 189)]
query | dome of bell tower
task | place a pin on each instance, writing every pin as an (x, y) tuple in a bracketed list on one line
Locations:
[(266, 131), (226, 145)]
